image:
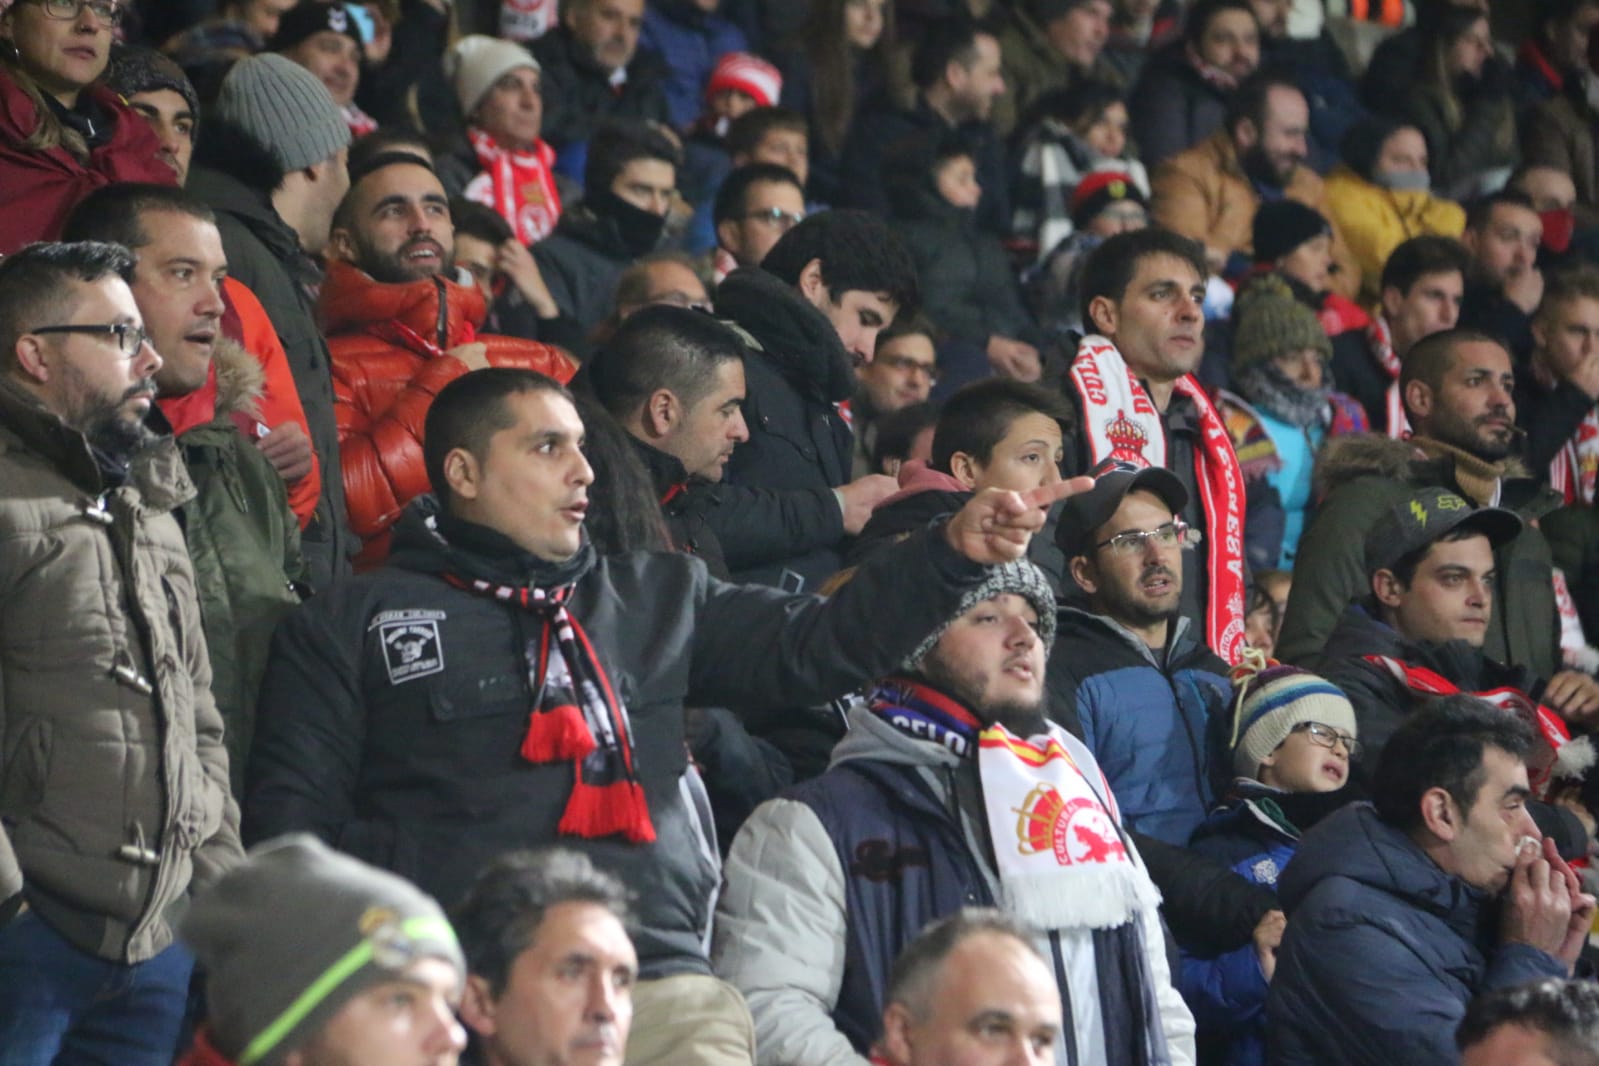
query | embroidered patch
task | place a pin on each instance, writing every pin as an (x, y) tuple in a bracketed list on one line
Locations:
[(411, 649), (1265, 872)]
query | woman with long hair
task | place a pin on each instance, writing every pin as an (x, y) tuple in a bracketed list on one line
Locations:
[(837, 64), (1461, 101), (62, 134)]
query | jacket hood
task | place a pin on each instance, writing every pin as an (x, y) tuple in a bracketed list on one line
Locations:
[(228, 148), (233, 386), (1355, 455), (583, 225), (915, 476), (794, 337), (1073, 623), (1423, 461), (436, 307), (870, 737), (1354, 843)]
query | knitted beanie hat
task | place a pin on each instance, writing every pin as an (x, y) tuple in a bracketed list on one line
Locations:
[(1021, 578), (1268, 321), (311, 17), (284, 107), (136, 69), (1097, 191), (297, 930), (750, 75), (1282, 226), (478, 61), (1270, 703)]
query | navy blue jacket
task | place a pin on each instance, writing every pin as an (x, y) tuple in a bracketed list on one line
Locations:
[(1383, 951)]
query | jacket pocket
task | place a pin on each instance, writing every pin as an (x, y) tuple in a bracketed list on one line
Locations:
[(201, 803), (464, 697), (27, 771)]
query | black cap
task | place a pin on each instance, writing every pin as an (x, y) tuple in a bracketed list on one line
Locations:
[(310, 17), (1082, 515), (1427, 515), (1283, 225)]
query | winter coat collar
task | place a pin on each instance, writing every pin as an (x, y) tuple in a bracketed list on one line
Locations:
[(583, 225), (19, 117), (1097, 627), (429, 541), (871, 738), (794, 337), (233, 386), (1359, 634), (251, 207), (435, 307)]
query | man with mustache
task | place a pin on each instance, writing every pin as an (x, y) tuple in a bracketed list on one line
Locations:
[(1126, 674), (400, 327), (114, 793), (594, 70)]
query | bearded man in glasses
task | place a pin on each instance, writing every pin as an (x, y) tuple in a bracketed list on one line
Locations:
[(114, 792), (1128, 674)]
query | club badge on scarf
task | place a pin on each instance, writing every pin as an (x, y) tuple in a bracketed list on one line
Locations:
[(520, 186), (1574, 471)]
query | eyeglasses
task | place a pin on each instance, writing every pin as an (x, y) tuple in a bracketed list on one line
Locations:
[(1328, 737), (1132, 542), (678, 298), (783, 220), (130, 338), (906, 364), (109, 12)]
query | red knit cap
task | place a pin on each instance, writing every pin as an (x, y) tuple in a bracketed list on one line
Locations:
[(750, 75)]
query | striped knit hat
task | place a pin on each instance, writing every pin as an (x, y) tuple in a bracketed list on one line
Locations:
[(1270, 702), (747, 74)]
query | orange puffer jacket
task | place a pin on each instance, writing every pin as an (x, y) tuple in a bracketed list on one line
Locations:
[(389, 345)]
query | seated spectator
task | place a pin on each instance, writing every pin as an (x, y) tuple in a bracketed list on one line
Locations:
[(628, 187), (1558, 134), (504, 163), (953, 738), (902, 436), (237, 28), (313, 956), (1291, 741), (1423, 287), (772, 135), (1504, 285), (403, 83), (1555, 402), (1381, 196), (1555, 55), (1400, 890), (1184, 93), (1127, 675), (1211, 191), (815, 306), (1554, 197), (658, 278), (995, 434), (1282, 370), (325, 40), (478, 569), (520, 304), (1461, 101), (964, 273), (1138, 30), (838, 63), (741, 83), (550, 967), (1105, 203), (399, 331), (1132, 388), (1063, 137), (1463, 437), (901, 374), (1047, 45), (62, 135), (157, 89), (1391, 72), (1313, 58), (961, 975), (755, 206), (956, 71), (594, 71), (1553, 1019), (691, 37)]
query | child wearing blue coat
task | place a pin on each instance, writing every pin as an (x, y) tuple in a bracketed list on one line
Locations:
[(1293, 736)]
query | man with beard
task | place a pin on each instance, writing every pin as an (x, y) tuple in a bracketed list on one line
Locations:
[(400, 329), (1211, 191), (1125, 672), (1457, 388), (950, 790), (114, 797)]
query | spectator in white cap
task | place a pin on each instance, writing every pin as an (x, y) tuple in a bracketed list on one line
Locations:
[(505, 163)]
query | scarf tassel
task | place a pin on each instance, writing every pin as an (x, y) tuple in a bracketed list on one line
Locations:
[(606, 810), (557, 735)]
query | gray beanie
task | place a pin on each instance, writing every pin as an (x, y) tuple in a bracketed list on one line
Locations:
[(294, 932), (477, 62), (1021, 578), (1270, 703), (283, 106)]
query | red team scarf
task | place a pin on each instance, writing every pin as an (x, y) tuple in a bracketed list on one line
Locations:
[(1575, 467), (519, 186), (1121, 423), (1382, 350)]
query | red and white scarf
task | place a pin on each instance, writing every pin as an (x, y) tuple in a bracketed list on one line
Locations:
[(1560, 756), (519, 186), (1121, 422), (1396, 425), (1574, 471)]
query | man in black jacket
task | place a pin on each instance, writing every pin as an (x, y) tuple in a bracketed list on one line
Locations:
[(395, 714), (1504, 284), (593, 71)]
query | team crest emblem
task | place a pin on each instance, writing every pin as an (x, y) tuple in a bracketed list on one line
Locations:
[(1127, 440), (1265, 871), (411, 649), (1078, 831)]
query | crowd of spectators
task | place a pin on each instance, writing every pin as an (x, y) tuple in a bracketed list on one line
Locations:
[(799, 532)]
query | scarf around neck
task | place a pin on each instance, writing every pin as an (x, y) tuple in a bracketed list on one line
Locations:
[(1267, 387), (1396, 424), (519, 186)]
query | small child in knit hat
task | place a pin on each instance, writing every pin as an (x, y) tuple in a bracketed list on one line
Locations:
[(1293, 736)]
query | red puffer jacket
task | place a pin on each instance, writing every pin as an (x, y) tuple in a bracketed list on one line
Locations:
[(389, 346)]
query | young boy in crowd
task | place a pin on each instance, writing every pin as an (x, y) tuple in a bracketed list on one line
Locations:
[(741, 83), (1293, 737)]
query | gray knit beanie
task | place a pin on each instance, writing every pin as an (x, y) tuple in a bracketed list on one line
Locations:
[(477, 62), (294, 932), (283, 106), (1021, 578), (1269, 704)]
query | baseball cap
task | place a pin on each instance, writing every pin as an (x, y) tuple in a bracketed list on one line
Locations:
[(1429, 514), (1083, 514)]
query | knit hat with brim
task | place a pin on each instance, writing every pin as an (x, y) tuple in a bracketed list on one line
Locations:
[(1277, 700), (1268, 321), (747, 74), (477, 62), (1283, 225), (285, 108), (297, 930), (1020, 578), (136, 69)]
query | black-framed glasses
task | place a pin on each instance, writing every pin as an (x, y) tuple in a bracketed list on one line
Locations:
[(906, 364), (1328, 737), (108, 12), (1132, 542), (130, 338), (783, 220)]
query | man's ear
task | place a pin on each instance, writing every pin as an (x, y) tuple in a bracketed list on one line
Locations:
[(725, 236), (1386, 587), (32, 359), (1540, 337), (1418, 400), (1245, 135), (1102, 315), (1439, 814), (477, 1006), (1391, 299), (341, 245), (897, 1026), (463, 474), (811, 284), (966, 469), (661, 413), (1084, 573)]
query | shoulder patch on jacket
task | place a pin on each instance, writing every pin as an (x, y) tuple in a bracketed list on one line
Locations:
[(412, 647)]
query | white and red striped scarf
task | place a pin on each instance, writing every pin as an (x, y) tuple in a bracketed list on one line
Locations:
[(1574, 471), (1395, 424), (519, 186)]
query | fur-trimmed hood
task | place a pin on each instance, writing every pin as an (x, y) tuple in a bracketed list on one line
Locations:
[(232, 388), (1356, 455)]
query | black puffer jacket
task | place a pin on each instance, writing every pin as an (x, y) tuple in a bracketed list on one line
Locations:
[(420, 773), (578, 95), (581, 262)]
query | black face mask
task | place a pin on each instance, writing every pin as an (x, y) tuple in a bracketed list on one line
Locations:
[(640, 229)]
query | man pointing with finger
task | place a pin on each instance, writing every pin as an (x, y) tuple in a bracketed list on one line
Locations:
[(497, 686)]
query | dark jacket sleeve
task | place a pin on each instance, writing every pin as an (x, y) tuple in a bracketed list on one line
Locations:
[(1549, 419), (1211, 910), (758, 527)]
